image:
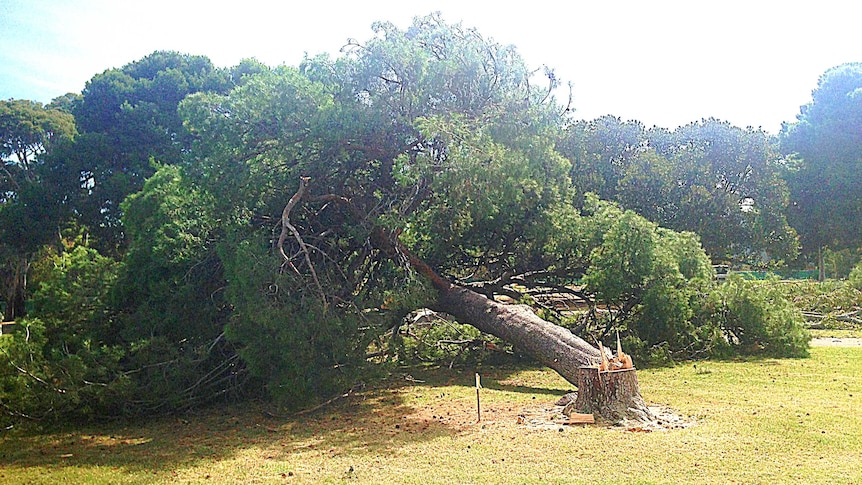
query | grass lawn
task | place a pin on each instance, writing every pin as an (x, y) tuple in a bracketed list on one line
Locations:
[(758, 421), (836, 333)]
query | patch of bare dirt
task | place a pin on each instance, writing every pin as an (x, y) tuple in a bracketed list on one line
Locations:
[(552, 416)]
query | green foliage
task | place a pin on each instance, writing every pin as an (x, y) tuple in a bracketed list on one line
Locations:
[(503, 189), (27, 129), (448, 343), (67, 362), (128, 117), (168, 302), (757, 318), (651, 280), (709, 177), (657, 287), (840, 263), (831, 304), (826, 297), (298, 348), (253, 144), (826, 143), (855, 277), (72, 297)]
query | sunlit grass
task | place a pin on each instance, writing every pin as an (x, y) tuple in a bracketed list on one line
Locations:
[(758, 421), (836, 333)]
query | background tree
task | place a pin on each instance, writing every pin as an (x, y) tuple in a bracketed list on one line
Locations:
[(601, 151), (711, 178), (730, 179), (127, 118), (28, 131), (826, 141)]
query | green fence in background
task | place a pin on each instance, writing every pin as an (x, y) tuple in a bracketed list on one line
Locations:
[(802, 274)]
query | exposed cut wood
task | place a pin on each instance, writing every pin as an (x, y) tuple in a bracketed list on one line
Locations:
[(580, 418), (613, 395)]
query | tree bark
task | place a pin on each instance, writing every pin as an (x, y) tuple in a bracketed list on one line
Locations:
[(15, 289), (552, 345), (614, 395), (608, 395)]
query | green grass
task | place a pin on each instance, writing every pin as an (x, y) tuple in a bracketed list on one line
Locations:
[(758, 421), (836, 333)]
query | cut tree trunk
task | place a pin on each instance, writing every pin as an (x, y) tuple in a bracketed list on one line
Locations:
[(609, 395), (614, 395), (552, 345)]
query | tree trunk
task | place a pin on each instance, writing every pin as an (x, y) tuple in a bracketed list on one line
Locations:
[(552, 345), (821, 266), (15, 287), (614, 395)]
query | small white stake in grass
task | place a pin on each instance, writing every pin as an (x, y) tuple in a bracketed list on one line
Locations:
[(478, 406)]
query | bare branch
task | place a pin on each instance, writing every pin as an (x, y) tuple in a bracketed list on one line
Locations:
[(287, 227)]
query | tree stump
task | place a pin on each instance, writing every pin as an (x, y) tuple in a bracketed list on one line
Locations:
[(611, 395)]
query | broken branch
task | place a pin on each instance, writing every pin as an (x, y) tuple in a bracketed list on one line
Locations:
[(287, 227)]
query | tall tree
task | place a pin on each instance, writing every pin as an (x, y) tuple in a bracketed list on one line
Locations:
[(826, 141), (28, 218), (128, 118), (729, 178), (601, 152), (711, 178), (27, 130)]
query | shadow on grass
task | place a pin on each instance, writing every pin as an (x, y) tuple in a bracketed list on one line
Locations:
[(556, 392), (367, 422)]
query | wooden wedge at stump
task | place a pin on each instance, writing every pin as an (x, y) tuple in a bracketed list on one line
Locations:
[(580, 418)]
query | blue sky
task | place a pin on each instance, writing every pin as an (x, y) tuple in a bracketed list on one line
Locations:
[(665, 63)]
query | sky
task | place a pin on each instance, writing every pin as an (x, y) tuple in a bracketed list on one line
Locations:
[(664, 63)]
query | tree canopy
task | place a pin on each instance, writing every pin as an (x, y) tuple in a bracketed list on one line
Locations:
[(27, 130), (722, 182), (28, 209), (826, 145)]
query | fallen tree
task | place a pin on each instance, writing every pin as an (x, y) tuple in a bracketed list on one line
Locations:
[(611, 394), (431, 150)]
